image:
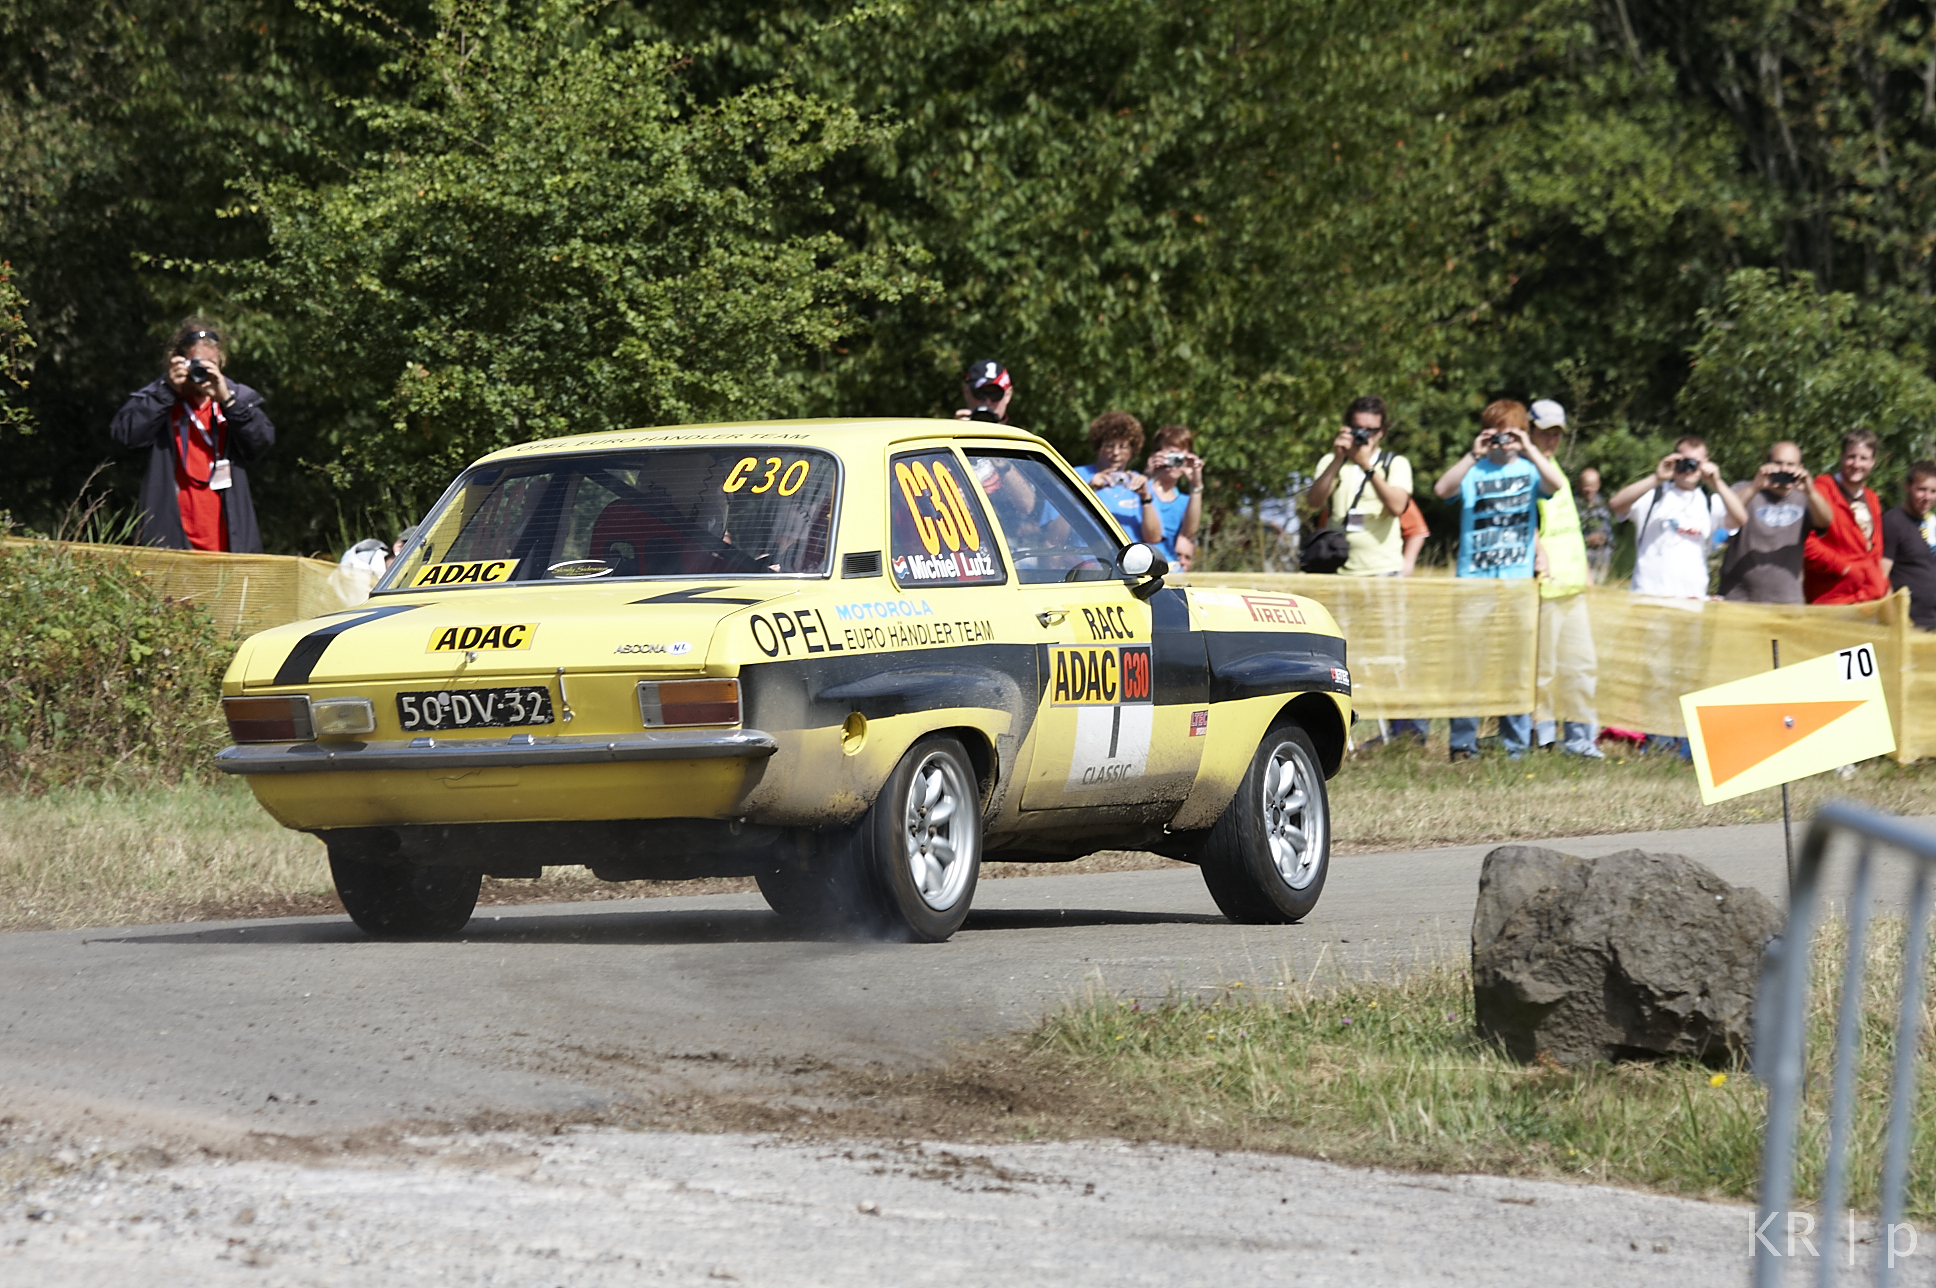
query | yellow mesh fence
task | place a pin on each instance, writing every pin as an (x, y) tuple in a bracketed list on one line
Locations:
[(1423, 646), (1440, 646), (243, 593)]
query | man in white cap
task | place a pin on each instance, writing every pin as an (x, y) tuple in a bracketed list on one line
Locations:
[(1568, 665)]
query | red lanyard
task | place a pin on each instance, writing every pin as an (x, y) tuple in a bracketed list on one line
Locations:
[(216, 439)]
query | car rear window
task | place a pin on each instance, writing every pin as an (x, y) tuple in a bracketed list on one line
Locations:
[(663, 512)]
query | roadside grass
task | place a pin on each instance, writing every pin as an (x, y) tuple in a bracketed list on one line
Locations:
[(75, 856), (1393, 1073), (1400, 796), (207, 852)]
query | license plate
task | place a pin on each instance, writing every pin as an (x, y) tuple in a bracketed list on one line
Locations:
[(474, 709)]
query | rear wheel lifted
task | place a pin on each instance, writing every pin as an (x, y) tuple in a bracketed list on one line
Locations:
[(402, 900), (1266, 859)]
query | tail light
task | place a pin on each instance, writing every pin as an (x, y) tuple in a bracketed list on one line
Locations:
[(269, 719), (664, 703)]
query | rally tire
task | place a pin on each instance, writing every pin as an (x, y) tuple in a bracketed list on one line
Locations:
[(405, 900), (1266, 858), (803, 894), (920, 846)]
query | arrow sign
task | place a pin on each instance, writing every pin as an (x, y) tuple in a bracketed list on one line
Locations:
[(1772, 729)]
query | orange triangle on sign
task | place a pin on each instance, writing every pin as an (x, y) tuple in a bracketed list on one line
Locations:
[(1739, 737)]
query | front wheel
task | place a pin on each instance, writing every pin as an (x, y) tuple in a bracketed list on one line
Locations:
[(404, 900), (1266, 859), (923, 844)]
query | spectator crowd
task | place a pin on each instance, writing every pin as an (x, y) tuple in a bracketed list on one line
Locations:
[(1789, 537)]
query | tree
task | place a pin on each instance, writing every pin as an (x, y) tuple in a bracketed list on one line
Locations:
[(548, 235), (1779, 361)]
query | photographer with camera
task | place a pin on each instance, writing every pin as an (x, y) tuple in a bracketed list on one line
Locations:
[(1763, 561), (1842, 563), (1116, 437), (1673, 519), (986, 388), (1179, 512), (199, 429), (1361, 492), (1500, 483)]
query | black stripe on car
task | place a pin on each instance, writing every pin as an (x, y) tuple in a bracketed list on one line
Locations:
[(309, 650)]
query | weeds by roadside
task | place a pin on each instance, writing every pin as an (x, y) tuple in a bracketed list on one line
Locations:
[(1392, 1073), (1401, 796), (102, 679)]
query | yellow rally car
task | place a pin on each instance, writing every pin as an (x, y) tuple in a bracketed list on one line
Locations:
[(851, 659)]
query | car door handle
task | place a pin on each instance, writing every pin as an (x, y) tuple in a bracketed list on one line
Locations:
[(1052, 616)]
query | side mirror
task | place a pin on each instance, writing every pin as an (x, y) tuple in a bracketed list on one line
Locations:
[(1139, 560)]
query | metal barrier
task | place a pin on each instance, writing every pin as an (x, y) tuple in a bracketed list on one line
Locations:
[(1782, 1020)]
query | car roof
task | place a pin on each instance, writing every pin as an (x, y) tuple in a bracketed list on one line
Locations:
[(863, 434)]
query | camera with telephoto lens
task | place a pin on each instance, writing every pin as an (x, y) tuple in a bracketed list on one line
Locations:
[(1687, 465), (199, 372), (1360, 435), (985, 412), (986, 398)]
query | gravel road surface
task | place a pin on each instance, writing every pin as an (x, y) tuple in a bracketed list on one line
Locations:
[(219, 1033)]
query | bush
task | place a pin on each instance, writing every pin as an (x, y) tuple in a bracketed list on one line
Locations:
[(102, 679)]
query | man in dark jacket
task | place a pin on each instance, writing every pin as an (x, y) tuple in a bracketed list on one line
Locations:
[(199, 429)]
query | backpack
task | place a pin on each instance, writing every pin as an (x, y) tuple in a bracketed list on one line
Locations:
[(1325, 549)]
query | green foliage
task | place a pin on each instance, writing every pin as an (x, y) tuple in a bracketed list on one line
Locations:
[(102, 680), (443, 226), (1778, 360), (547, 236), (16, 344)]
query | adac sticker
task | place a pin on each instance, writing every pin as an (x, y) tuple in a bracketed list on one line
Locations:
[(462, 639), (1099, 676), (1109, 688), (473, 571)]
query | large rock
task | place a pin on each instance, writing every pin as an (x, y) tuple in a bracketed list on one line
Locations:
[(1629, 955)]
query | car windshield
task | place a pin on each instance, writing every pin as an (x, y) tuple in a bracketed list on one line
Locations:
[(667, 512)]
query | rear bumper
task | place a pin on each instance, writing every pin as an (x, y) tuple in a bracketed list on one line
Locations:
[(478, 753)]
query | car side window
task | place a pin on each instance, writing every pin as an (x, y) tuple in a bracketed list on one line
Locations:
[(940, 535), (1052, 534)]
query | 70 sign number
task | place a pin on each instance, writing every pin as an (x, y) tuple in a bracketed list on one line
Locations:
[(1857, 663)]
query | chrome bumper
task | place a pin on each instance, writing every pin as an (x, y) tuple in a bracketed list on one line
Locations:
[(477, 753)]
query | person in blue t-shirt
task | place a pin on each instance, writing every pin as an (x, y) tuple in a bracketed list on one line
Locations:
[(1172, 463), (1499, 484), (1116, 437)]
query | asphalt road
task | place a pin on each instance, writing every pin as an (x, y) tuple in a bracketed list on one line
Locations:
[(300, 1031), (303, 1024)]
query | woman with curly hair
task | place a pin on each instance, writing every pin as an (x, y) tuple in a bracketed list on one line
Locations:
[(1116, 437)]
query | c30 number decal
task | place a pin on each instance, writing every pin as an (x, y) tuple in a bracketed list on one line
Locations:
[(940, 534), (1101, 677), (461, 639), (475, 570), (779, 476)]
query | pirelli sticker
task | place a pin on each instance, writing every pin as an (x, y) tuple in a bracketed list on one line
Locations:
[(480, 639), (475, 571), (1115, 713)]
